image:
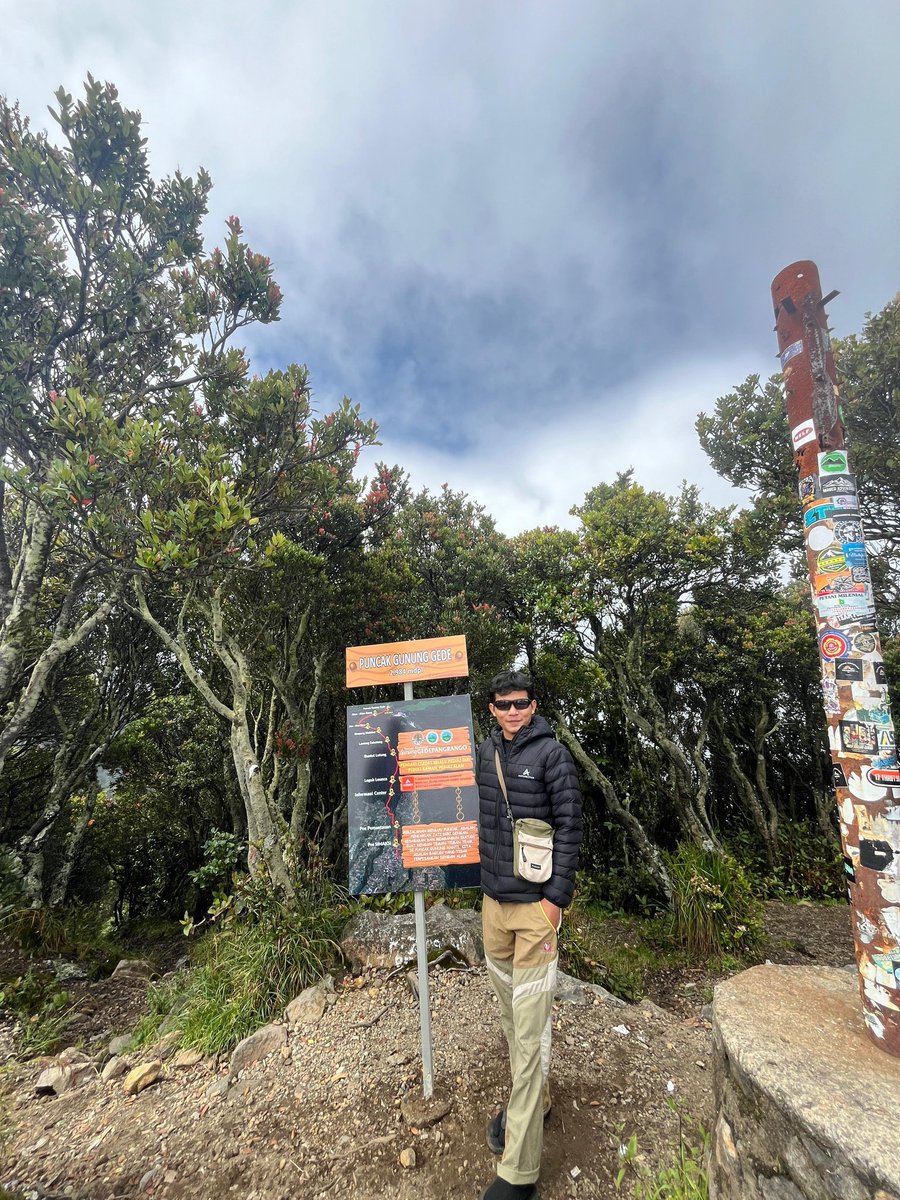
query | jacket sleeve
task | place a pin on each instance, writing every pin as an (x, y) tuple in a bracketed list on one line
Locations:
[(561, 783)]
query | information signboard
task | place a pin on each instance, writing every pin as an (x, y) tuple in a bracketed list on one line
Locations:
[(413, 801), (407, 662)]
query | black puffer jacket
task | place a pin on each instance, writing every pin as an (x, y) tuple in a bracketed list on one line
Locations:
[(542, 782)]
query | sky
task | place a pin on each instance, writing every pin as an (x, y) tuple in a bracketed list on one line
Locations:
[(532, 239)]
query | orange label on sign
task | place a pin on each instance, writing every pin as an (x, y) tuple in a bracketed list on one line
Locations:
[(431, 743), (440, 845), (407, 662), (428, 783), (417, 766)]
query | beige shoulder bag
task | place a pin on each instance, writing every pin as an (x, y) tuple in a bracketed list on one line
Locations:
[(532, 840)]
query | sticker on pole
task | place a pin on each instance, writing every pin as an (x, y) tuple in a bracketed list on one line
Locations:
[(833, 462), (820, 536), (790, 352), (834, 645), (884, 776), (802, 434)]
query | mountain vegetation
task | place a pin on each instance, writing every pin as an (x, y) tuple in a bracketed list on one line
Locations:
[(187, 546)]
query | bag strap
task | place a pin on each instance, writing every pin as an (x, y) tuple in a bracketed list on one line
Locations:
[(500, 776)]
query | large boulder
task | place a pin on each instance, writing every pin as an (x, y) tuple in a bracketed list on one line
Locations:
[(382, 940)]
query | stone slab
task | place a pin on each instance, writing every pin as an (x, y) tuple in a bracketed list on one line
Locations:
[(796, 1035)]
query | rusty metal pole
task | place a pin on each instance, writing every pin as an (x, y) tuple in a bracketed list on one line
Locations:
[(854, 684)]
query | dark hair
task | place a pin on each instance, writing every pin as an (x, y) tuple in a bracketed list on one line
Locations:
[(511, 681)]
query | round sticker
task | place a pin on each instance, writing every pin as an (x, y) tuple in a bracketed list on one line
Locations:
[(864, 642), (834, 645), (819, 537)]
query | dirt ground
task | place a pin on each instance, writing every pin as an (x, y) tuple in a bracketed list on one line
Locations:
[(322, 1115)]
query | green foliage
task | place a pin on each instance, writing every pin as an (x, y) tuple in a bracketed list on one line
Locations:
[(809, 865), (684, 1178), (43, 1009), (262, 954), (612, 948), (221, 853), (623, 886), (79, 931), (714, 910)]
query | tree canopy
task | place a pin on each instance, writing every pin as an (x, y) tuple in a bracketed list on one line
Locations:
[(186, 547)]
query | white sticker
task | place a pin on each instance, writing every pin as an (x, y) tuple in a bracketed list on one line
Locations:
[(820, 537), (790, 352), (891, 918), (802, 434)]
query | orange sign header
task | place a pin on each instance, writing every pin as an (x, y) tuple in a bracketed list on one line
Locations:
[(407, 662)]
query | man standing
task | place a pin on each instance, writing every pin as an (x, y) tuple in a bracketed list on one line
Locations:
[(521, 918)]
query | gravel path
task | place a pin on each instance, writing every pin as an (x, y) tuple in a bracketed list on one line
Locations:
[(322, 1115)]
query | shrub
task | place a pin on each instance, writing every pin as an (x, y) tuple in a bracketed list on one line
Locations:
[(714, 910), (260, 955), (78, 931), (43, 1010), (809, 865)]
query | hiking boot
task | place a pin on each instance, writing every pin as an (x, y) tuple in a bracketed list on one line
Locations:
[(496, 1131), (502, 1189)]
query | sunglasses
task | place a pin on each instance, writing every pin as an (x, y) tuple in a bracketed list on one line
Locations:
[(506, 705)]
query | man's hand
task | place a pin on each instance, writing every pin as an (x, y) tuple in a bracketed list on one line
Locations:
[(553, 913)]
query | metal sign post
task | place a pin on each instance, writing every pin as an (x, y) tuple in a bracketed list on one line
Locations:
[(385, 761), (422, 973)]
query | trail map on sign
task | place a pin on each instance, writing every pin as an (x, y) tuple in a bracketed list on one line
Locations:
[(413, 801)]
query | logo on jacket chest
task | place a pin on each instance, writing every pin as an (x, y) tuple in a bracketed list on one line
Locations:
[(526, 774)]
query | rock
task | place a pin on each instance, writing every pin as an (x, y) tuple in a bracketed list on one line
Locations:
[(141, 1076), (217, 1088), (72, 1056), (133, 968), (257, 1046), (575, 991), (308, 1007), (806, 1103), (149, 1178), (114, 1069), (62, 970), (119, 1044), (70, 1070), (382, 940), (420, 1113), (167, 1045), (53, 1081), (408, 1157), (187, 1058)]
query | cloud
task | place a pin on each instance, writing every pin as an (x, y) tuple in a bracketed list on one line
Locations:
[(485, 216), (530, 475)]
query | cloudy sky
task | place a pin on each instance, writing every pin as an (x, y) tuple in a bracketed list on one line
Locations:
[(532, 239)]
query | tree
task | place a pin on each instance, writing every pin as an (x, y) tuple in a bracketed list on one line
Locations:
[(112, 324)]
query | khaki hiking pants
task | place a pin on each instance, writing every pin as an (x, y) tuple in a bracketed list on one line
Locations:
[(521, 948)]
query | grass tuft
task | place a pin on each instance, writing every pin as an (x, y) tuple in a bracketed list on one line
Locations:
[(247, 970), (713, 907)]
